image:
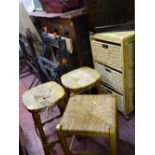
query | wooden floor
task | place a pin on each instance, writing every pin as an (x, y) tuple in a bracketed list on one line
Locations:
[(126, 145)]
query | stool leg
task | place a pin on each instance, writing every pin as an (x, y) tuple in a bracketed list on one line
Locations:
[(67, 94), (62, 140), (98, 87), (62, 105), (116, 118), (37, 121), (89, 91), (113, 139)]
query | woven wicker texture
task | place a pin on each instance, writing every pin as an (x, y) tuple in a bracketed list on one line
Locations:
[(43, 96), (107, 54), (90, 113), (110, 76), (80, 78), (119, 98)]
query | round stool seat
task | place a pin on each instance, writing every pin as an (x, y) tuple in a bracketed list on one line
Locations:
[(43, 96), (80, 78)]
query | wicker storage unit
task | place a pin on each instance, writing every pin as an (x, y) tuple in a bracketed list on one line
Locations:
[(113, 57)]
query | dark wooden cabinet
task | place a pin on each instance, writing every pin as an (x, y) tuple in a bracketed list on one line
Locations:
[(109, 12), (72, 25)]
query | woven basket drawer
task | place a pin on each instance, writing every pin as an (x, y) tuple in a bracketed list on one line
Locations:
[(120, 98), (108, 54), (111, 77)]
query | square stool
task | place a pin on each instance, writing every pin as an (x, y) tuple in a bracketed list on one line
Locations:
[(89, 115), (81, 80), (43, 98)]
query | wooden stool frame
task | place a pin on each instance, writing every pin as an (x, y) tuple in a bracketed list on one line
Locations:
[(35, 108), (113, 135), (78, 89), (39, 127), (88, 88)]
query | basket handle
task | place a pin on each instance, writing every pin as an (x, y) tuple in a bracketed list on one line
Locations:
[(108, 70), (105, 46), (107, 90)]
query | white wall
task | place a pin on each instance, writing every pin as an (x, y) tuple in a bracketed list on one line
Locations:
[(24, 23), (28, 4)]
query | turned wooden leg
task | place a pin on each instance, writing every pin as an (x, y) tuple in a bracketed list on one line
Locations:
[(62, 105), (37, 121), (113, 140), (62, 140)]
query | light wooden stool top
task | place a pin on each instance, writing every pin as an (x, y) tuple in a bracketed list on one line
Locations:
[(90, 114), (80, 78), (43, 96)]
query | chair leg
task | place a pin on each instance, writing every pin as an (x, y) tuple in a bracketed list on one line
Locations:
[(36, 129), (113, 139), (62, 140), (37, 121)]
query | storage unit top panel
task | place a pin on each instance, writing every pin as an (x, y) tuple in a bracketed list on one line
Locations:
[(115, 36)]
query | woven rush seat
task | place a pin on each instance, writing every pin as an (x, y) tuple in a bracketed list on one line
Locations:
[(41, 99), (89, 115), (81, 79)]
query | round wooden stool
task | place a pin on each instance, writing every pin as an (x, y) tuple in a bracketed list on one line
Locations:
[(81, 80), (43, 98)]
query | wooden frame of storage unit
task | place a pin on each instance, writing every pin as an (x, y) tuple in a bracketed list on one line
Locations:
[(124, 40)]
